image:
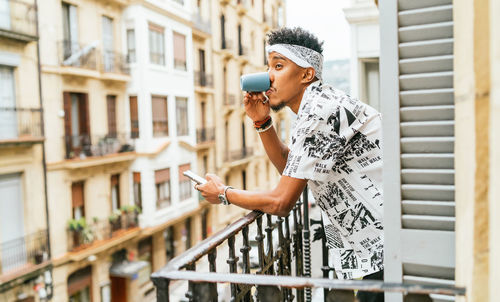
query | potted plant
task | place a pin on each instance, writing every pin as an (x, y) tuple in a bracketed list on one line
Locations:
[(131, 212), (115, 220), (76, 227)]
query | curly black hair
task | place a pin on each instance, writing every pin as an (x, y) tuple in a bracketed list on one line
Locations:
[(295, 36)]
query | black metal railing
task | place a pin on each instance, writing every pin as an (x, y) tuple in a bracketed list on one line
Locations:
[(85, 145), (239, 154), (203, 79), (74, 54), (18, 123), (282, 264), (18, 19), (31, 249), (205, 135), (82, 234), (114, 62)]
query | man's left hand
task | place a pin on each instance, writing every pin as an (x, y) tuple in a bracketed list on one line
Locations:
[(211, 190)]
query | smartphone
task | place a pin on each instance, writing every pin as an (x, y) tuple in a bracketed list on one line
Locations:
[(196, 178)]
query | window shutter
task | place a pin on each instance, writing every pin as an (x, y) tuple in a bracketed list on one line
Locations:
[(77, 194), (134, 117), (137, 177), (162, 175), (84, 113), (111, 102), (67, 113), (419, 131), (179, 47), (182, 169)]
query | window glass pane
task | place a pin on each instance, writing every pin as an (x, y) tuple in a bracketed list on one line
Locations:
[(181, 116), (156, 45), (179, 51), (131, 45)]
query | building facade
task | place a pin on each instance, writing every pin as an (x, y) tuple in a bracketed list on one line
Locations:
[(365, 50), (25, 262)]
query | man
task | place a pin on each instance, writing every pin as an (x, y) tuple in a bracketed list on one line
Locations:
[(335, 148)]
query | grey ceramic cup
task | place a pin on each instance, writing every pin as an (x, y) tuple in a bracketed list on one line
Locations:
[(255, 82)]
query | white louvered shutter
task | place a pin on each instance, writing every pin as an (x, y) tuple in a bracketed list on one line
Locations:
[(418, 108)]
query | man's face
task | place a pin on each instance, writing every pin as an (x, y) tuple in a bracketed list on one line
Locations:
[(285, 78)]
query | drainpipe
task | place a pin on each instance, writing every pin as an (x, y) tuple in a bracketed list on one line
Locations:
[(44, 163)]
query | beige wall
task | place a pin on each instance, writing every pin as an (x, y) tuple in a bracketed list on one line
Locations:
[(477, 67)]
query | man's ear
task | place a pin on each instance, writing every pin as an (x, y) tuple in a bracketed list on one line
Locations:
[(308, 75)]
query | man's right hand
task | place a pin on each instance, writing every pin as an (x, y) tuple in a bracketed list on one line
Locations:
[(256, 106)]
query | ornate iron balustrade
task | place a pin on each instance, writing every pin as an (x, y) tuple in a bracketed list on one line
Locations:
[(114, 62), (204, 135), (32, 249), (85, 145), (82, 235), (74, 54), (239, 154), (19, 123), (230, 99), (203, 79), (273, 280)]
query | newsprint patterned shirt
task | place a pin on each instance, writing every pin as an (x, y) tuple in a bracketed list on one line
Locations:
[(336, 145)]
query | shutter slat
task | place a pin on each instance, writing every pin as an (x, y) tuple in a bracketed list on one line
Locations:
[(429, 48), (412, 4), (428, 207), (428, 192), (426, 15), (428, 113), (427, 144), (428, 176), (428, 128), (426, 80), (426, 64), (425, 97), (428, 160), (424, 32)]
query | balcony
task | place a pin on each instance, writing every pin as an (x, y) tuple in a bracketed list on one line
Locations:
[(202, 26), (24, 254), (236, 155), (20, 126), (203, 79), (275, 265), (268, 20), (18, 20), (83, 235), (243, 53), (205, 135), (86, 60), (114, 62), (84, 145)]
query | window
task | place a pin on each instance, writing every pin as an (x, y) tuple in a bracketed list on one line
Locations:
[(244, 179), (179, 51), (131, 55), (205, 229), (181, 2), (78, 203), (181, 109), (137, 189), (185, 188), (111, 101), (8, 117), (107, 44), (156, 45), (115, 192), (160, 116), (70, 30), (163, 191), (223, 31), (205, 164), (76, 124), (134, 117), (240, 46), (80, 285), (168, 236)]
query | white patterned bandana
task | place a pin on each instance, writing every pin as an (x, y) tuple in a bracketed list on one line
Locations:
[(300, 55)]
